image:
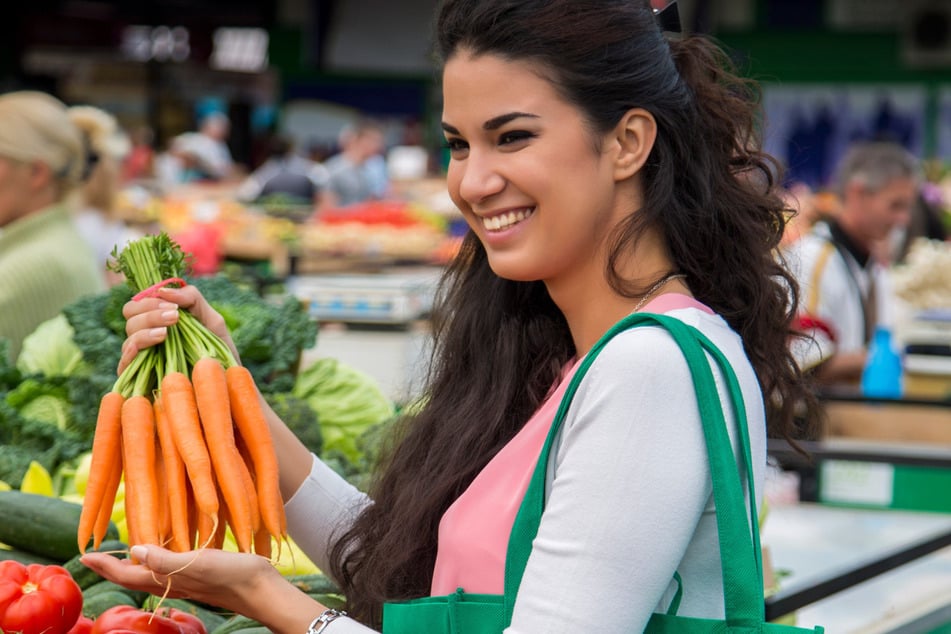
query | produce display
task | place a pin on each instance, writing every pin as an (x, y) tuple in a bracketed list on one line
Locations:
[(415, 225), (49, 404), (395, 229)]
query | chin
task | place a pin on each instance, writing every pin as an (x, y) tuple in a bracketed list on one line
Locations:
[(515, 273)]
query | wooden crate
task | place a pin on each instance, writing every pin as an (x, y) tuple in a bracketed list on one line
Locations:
[(898, 422)]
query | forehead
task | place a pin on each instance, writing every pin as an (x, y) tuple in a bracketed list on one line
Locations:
[(487, 85), (898, 188)]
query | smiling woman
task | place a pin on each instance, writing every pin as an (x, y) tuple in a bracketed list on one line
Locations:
[(569, 463), (44, 264)]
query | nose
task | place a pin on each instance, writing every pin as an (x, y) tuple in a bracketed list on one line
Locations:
[(478, 177)]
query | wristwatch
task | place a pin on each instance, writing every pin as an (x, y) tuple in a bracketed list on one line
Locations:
[(319, 624)]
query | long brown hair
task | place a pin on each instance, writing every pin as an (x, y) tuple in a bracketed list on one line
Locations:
[(499, 344)]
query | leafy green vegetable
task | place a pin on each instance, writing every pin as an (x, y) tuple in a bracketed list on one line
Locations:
[(99, 328), (68, 403), (347, 401), (299, 417), (270, 337), (24, 439), (49, 350), (9, 375)]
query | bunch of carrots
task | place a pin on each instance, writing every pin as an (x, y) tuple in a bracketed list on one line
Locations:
[(184, 428)]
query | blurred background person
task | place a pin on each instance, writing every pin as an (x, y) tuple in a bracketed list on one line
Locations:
[(139, 163), (354, 174), (285, 175), (209, 147), (45, 263), (841, 264), (95, 204)]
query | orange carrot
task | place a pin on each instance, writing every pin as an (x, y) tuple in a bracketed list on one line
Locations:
[(211, 394), (254, 431), (105, 511), (178, 500), (106, 454), (193, 515), (262, 544), (207, 528), (181, 410), (249, 481), (138, 448), (164, 518)]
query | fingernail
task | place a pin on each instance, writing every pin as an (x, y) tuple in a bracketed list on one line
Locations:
[(139, 552), (158, 332), (170, 314), (167, 306)]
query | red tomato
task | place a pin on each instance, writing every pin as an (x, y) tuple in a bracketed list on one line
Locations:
[(38, 599), (83, 626), (125, 618), (189, 623)]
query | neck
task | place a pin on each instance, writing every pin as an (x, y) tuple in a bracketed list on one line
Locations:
[(849, 222), (591, 306)]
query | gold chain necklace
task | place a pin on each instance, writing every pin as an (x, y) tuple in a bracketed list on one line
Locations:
[(656, 287)]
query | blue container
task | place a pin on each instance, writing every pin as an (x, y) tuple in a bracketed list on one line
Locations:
[(882, 376)]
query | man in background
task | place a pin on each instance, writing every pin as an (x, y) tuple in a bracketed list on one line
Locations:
[(350, 173), (841, 264)]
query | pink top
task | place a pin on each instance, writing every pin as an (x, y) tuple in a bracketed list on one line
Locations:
[(474, 530)]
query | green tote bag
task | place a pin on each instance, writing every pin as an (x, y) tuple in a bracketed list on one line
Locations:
[(740, 554)]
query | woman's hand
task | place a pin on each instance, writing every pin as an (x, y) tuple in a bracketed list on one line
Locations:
[(243, 583), (148, 319)]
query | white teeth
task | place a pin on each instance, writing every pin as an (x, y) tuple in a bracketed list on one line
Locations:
[(506, 220)]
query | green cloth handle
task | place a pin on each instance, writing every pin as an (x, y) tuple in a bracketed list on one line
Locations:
[(741, 564)]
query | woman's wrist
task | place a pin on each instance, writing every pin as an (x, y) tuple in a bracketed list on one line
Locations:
[(283, 608)]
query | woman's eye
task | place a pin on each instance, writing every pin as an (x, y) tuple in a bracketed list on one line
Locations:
[(456, 145), (515, 136)]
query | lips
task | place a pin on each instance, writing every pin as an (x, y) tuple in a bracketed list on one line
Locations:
[(503, 221)]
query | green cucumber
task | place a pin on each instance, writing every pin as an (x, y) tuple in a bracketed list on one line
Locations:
[(330, 600), (96, 605), (237, 624), (24, 557), (85, 576), (105, 586), (42, 525), (313, 583)]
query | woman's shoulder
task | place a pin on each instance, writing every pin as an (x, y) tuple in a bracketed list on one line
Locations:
[(655, 339), (642, 359)]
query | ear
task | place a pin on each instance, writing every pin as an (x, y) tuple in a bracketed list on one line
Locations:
[(634, 137), (40, 175)]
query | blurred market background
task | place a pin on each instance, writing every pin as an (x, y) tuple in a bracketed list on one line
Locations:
[(330, 300)]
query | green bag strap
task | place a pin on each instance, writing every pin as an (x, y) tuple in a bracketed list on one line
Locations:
[(740, 561)]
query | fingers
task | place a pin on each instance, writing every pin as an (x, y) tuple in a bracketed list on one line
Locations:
[(147, 323), (148, 319), (131, 575)]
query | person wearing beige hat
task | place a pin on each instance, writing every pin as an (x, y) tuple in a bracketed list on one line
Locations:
[(44, 263), (95, 205)]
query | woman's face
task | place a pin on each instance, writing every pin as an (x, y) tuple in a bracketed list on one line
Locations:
[(14, 188), (525, 170)]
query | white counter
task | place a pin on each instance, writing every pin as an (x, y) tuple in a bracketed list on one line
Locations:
[(813, 542)]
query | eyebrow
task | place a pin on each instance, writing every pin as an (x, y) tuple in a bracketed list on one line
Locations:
[(494, 123)]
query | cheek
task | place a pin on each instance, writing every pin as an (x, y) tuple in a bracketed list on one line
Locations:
[(453, 179)]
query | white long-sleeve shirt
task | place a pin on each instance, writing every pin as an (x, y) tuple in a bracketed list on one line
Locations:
[(629, 497)]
